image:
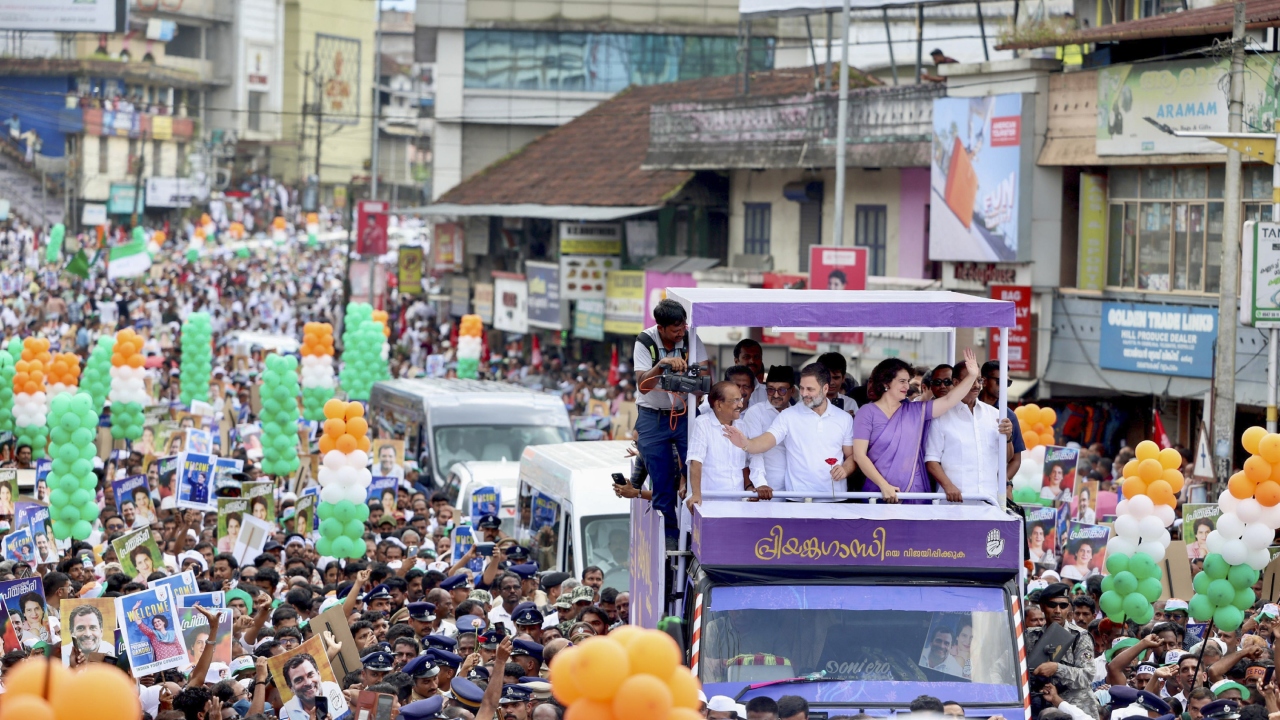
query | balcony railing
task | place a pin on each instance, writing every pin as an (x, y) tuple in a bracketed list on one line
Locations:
[(888, 127)]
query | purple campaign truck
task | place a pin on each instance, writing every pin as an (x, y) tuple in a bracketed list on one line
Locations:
[(856, 607)]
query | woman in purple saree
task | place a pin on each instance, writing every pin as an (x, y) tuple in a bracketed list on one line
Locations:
[(889, 433)]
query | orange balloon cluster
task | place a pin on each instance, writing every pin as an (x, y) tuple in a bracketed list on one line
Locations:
[(1036, 424), (159, 237), (37, 689), (128, 349), (471, 326), (65, 370), (205, 219), (278, 223), (236, 230), (1260, 477), (313, 218), (1155, 473), (629, 674), (30, 374), (381, 316), (345, 428), (317, 339)]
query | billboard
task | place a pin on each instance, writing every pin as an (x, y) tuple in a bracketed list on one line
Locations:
[(980, 169), (1159, 339), (544, 295), (510, 302), (338, 60), (1020, 334), (624, 302), (1182, 94), (96, 16)]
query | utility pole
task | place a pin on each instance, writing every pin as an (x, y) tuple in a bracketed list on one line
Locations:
[(377, 96), (842, 127), (1224, 381), (319, 117), (137, 182), (306, 110)]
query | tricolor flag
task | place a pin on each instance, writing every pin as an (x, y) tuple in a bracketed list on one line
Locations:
[(128, 260)]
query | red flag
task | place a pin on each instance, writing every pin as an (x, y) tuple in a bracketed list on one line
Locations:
[(535, 355), (613, 367), (1161, 437)]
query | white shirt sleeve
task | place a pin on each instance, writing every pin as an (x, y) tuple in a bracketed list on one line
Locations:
[(778, 429), (1075, 712), (641, 361), (698, 442), (756, 463), (934, 442), (847, 441)]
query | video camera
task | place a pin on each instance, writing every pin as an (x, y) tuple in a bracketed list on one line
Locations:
[(689, 381)]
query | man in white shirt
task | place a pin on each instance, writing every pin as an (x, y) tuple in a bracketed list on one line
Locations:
[(937, 654), (749, 353), (968, 446), (770, 468), (817, 435), (715, 464)]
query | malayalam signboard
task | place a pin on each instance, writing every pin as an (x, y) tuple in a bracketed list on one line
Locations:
[(590, 238), (544, 295), (1260, 270), (979, 175), (624, 302), (1182, 94), (409, 270), (1020, 334), (1160, 339), (1091, 256), (338, 60)]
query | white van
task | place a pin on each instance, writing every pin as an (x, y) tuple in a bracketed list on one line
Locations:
[(464, 420), (568, 513), (470, 476)]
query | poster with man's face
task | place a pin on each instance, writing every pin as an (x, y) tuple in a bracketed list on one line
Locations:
[(87, 624), (388, 458), (303, 674)]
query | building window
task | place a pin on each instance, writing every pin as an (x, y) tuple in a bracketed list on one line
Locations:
[(256, 101), (156, 155), (104, 158), (757, 220), (810, 231), (1165, 225), (870, 230), (599, 62)]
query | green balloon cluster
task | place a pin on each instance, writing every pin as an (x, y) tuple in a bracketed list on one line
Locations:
[(280, 416), (342, 529), (35, 436), (15, 348), (1223, 593), (96, 379), (1030, 496), (363, 362), (127, 419), (313, 400), (53, 251), (1134, 583), (242, 253), (197, 358), (356, 315), (73, 499), (6, 392)]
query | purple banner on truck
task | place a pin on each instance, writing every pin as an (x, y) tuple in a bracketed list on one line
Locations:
[(648, 550), (791, 541)]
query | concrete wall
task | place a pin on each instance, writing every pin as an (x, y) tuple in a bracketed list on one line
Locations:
[(483, 145), (904, 193), (97, 185)]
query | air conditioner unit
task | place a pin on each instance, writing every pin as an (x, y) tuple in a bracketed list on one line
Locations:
[(762, 263)]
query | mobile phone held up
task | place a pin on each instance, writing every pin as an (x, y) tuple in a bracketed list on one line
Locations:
[(618, 479)]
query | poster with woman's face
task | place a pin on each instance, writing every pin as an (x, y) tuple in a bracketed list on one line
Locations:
[(948, 644), (231, 512), (195, 631), (153, 638), (1198, 520), (138, 553), (262, 499), (8, 490), (1084, 505), (1059, 474), (1085, 553), (1042, 534), (28, 618)]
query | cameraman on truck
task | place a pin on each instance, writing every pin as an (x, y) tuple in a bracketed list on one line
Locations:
[(664, 415)]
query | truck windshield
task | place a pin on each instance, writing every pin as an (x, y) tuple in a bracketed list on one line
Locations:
[(464, 443), (864, 633), (606, 542)]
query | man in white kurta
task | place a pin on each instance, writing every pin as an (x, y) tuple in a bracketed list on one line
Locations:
[(965, 451)]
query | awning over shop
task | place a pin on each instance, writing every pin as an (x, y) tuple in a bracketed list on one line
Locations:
[(1082, 151), (1019, 388), (584, 213)]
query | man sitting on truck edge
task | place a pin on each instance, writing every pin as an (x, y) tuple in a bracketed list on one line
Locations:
[(663, 347), (817, 435), (1073, 672)]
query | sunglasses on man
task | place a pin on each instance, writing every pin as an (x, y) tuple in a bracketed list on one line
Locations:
[(996, 378)]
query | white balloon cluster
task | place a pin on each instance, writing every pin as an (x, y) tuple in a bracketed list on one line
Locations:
[(345, 476), (1141, 527), (469, 347), (128, 385), (1246, 529), (317, 371), (30, 409), (56, 389)]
